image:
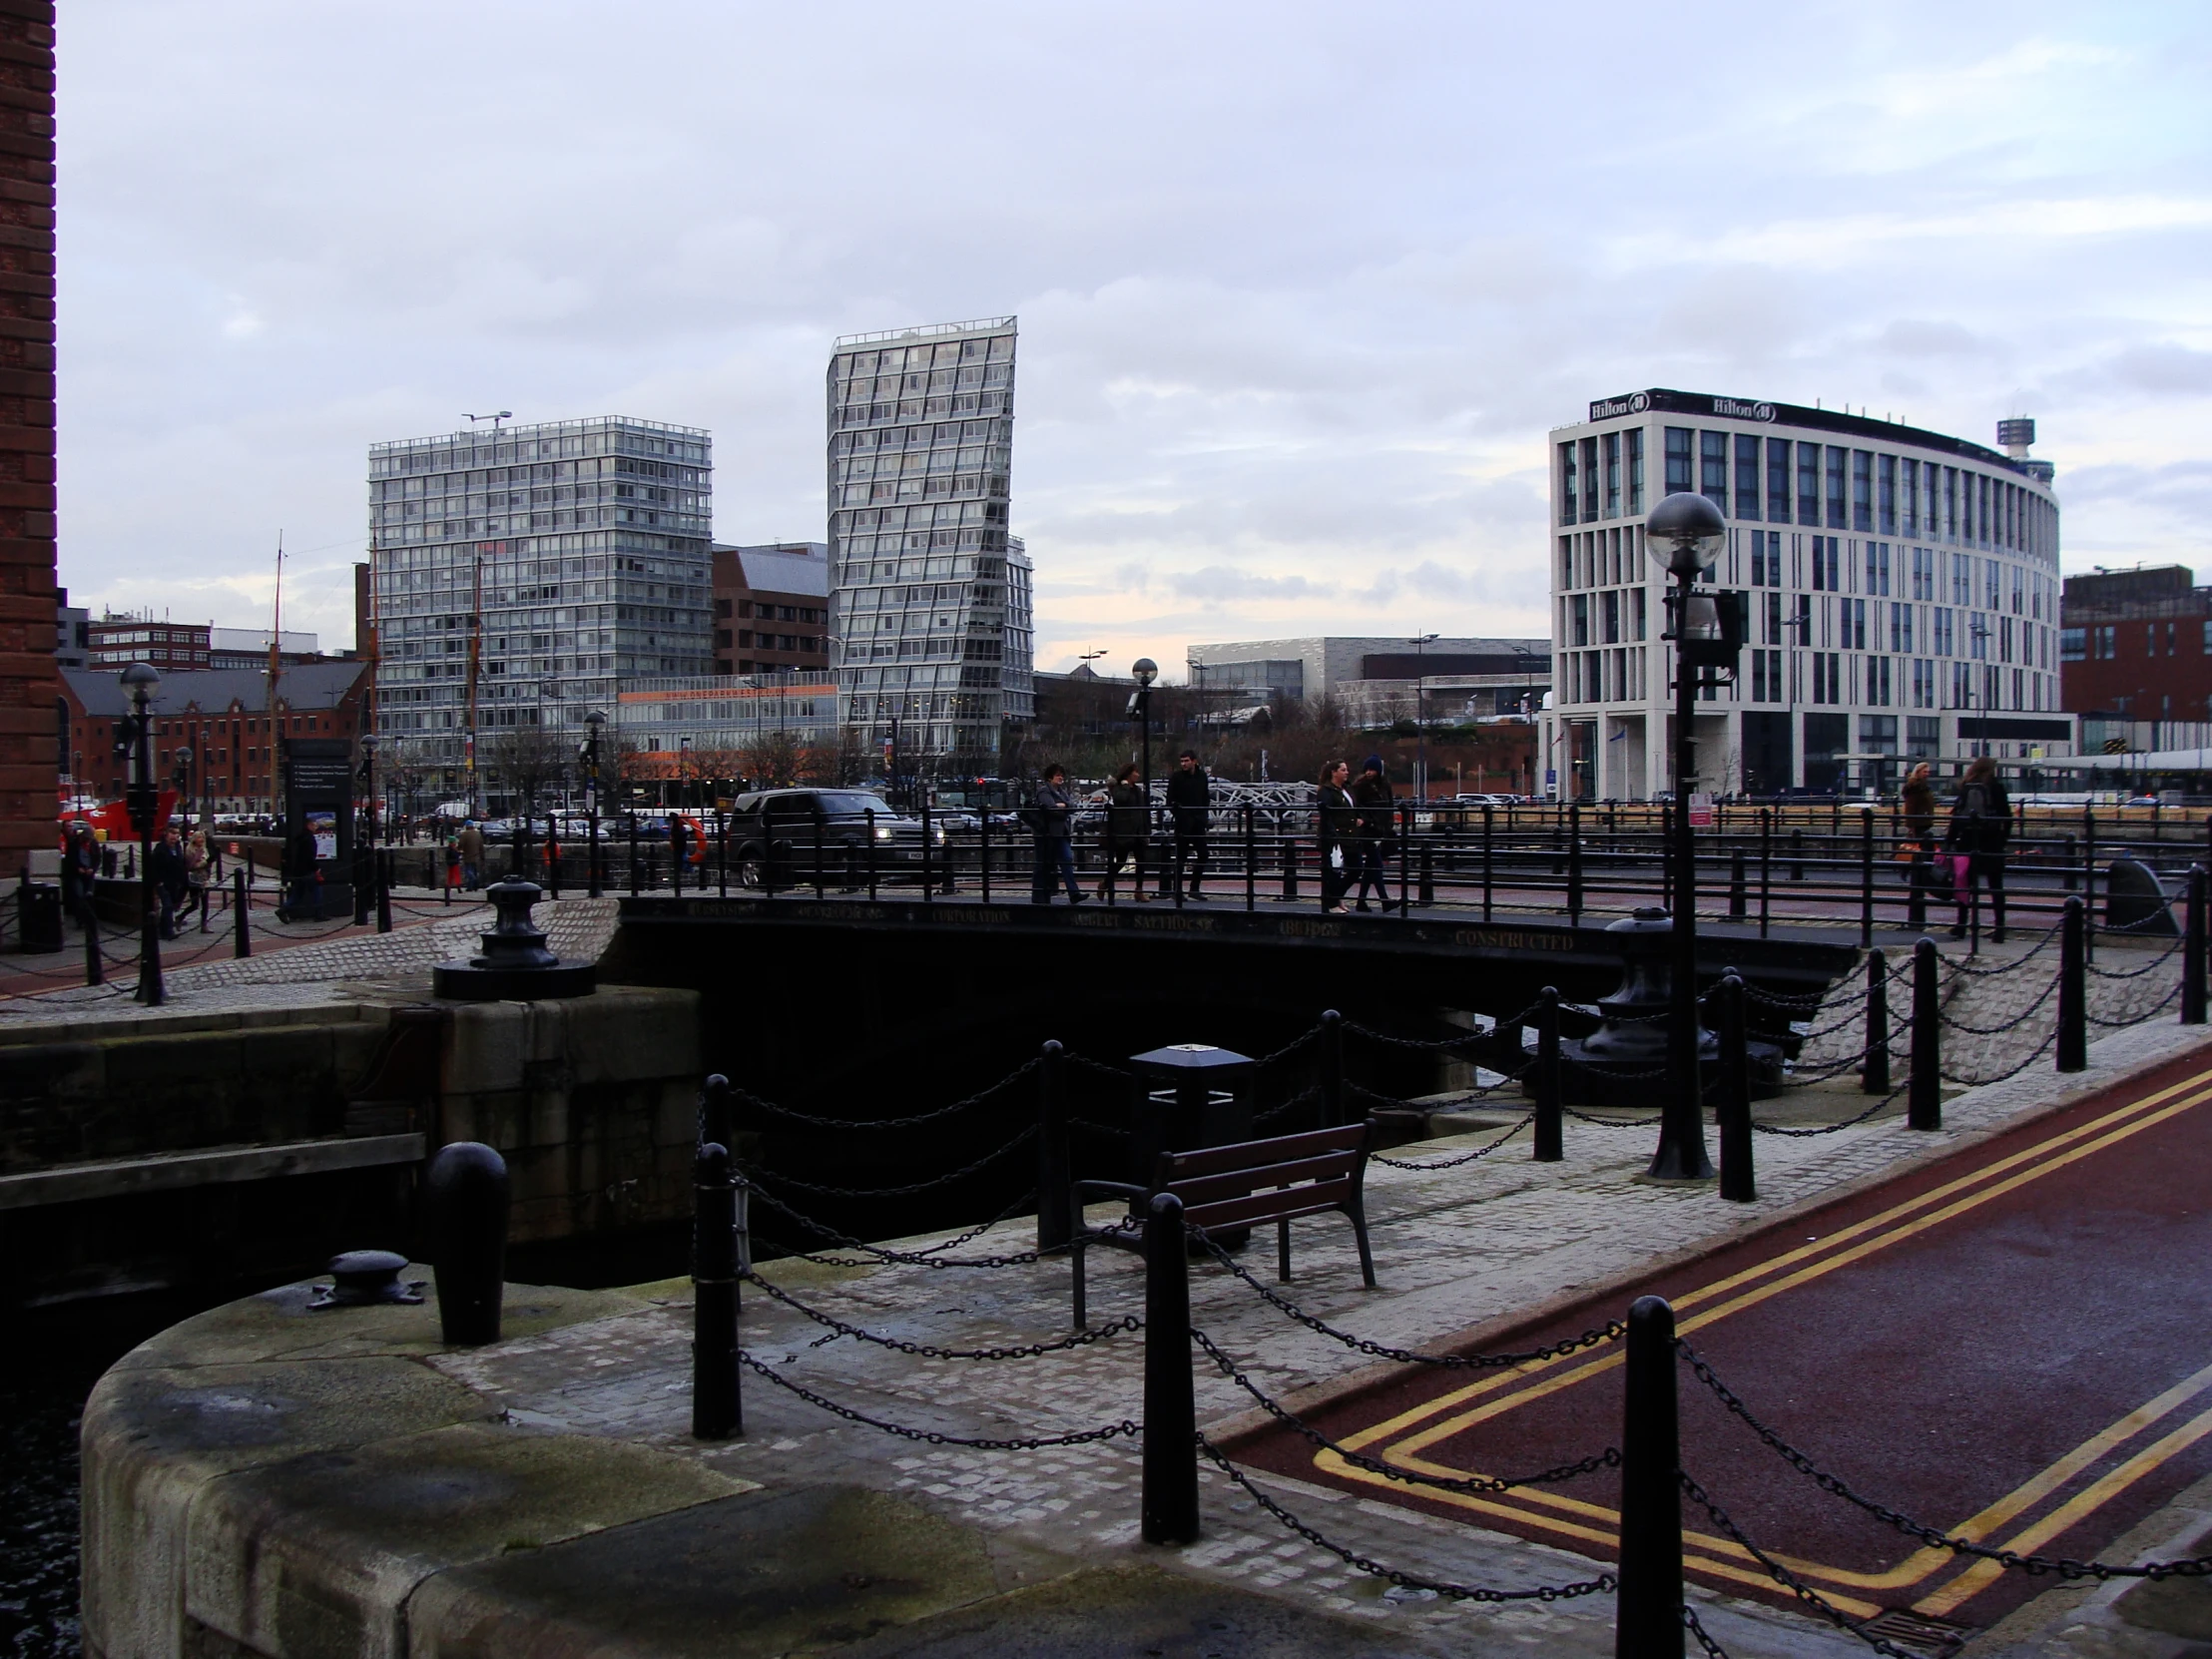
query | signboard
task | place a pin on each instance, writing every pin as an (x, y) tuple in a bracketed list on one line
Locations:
[(318, 802), (1701, 811)]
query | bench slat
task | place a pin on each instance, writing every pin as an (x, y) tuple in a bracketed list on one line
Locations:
[(1299, 1201), (1212, 1160), (1207, 1189)]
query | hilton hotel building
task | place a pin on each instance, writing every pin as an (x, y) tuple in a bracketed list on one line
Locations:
[(1903, 597)]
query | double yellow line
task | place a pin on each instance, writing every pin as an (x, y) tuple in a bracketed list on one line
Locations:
[(1404, 1439)]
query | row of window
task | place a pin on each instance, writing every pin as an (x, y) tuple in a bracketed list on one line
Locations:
[(2101, 642), (1822, 678), (1782, 482), (902, 360), (537, 443)]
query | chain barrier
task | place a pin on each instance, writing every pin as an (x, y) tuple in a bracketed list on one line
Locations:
[(1433, 1045), (1274, 1112), (1464, 1157), (1713, 1649), (1103, 1128), (2156, 1007), (1445, 1362), (2039, 1050), (754, 1172), (2035, 1566), (1610, 1123), (2012, 1024), (930, 1436), (1098, 1067), (1031, 1351), (932, 1116), (931, 1257), (2136, 973), (1603, 1584), (1880, 1106), (1962, 970), (1472, 1485)]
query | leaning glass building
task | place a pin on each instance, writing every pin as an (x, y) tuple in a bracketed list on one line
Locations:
[(930, 625), (574, 554)]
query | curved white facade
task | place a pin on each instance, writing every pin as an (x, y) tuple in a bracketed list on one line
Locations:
[(1903, 588)]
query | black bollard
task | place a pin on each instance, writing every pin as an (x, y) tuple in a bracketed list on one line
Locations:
[(2074, 988), (1797, 853), (716, 1121), (1866, 881), (95, 969), (1289, 869), (1925, 1105), (2192, 952), (716, 1412), (2067, 860), (1428, 873), (1169, 1507), (1550, 1127), (242, 901), (1331, 1063), (384, 861), (1875, 1073), (1648, 1607), (1489, 845), (1574, 866), (1737, 1184), (1739, 897), (467, 1195), (1056, 1216)]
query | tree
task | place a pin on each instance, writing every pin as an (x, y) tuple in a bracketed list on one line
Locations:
[(526, 761)]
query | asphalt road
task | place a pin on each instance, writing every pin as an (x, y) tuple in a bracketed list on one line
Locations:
[(2011, 1344)]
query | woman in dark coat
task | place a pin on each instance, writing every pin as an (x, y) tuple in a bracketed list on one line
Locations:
[(1981, 826), (1336, 826), (1128, 827)]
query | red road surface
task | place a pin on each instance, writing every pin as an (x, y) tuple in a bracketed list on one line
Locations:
[(2011, 1344)]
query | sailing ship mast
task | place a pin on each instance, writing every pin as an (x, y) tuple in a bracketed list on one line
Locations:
[(268, 704)]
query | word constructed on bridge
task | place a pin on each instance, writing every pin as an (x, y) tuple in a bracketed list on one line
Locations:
[(1297, 1161)]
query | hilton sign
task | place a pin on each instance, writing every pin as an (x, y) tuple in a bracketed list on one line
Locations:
[(1637, 403)]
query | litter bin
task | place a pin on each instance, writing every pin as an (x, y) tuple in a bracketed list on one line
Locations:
[(38, 914), (1191, 1095)]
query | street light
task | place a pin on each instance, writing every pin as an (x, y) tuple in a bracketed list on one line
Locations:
[(144, 803), (1420, 643), (1144, 671), (1684, 535), (594, 722), (365, 865)]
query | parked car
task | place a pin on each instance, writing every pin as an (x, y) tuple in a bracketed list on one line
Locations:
[(775, 835)]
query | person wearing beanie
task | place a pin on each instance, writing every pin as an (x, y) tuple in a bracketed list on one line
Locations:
[(1376, 807)]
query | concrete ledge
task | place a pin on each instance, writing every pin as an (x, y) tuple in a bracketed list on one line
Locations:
[(113, 1177)]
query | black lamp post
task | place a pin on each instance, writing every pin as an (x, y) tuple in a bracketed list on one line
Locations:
[(364, 861), (1144, 671), (1420, 643), (1684, 535), (594, 722), (144, 805)]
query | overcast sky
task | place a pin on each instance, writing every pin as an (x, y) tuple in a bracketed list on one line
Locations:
[(1301, 287)]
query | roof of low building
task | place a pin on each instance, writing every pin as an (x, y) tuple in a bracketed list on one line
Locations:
[(304, 686)]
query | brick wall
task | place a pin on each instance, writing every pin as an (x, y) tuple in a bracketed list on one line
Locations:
[(28, 681)]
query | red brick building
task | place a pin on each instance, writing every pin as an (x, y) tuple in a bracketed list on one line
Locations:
[(28, 682), (220, 715), (772, 608), (2136, 643)]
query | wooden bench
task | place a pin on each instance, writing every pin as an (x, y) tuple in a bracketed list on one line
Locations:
[(1241, 1186)]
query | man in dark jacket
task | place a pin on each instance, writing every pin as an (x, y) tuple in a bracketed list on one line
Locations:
[(165, 864), (1054, 828), (1378, 809), (1186, 802), (303, 896), (80, 870)]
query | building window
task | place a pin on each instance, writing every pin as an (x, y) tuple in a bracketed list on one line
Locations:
[(1590, 480), (1635, 437), (1839, 460), (1878, 567), (1887, 499), (1569, 486), (1808, 483), (1901, 628), (1747, 477), (1679, 440), (1924, 692), (1861, 489), (1713, 467), (1612, 475), (1778, 480), (1828, 564), (1579, 611), (1851, 613), (1923, 573), (1911, 490), (1610, 615)]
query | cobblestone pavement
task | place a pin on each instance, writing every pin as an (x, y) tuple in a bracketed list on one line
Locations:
[(313, 963), (1454, 1248)]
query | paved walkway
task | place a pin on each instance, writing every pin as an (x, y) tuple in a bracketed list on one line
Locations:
[(1461, 1251)]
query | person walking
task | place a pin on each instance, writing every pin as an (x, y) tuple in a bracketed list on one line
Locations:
[(1052, 825), (196, 861), (470, 845), (303, 879), (80, 870), (1188, 796), (1128, 828), (166, 866), (1918, 797), (1981, 826), (1336, 827), (1377, 810)]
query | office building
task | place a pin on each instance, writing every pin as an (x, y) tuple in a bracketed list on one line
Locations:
[(248, 648), (1373, 680), (1902, 589), (727, 726), (931, 633), (116, 640), (72, 632), (520, 574), (2137, 644), (772, 608)]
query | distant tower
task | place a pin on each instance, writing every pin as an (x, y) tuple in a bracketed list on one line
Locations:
[(2016, 434)]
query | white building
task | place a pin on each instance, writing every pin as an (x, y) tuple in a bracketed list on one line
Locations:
[(1902, 587)]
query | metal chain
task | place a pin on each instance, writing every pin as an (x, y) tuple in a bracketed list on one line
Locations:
[(1612, 1123), (1103, 1128), (1431, 1045), (2155, 1007), (2035, 1565), (1274, 1112), (921, 1258), (2011, 1025), (2136, 973), (929, 1436), (1081, 1338), (797, 1116), (1713, 1649), (1464, 1157), (1882, 1105), (1609, 1458), (1603, 1584), (753, 1174), (1380, 1350), (1983, 1082), (1086, 1064)]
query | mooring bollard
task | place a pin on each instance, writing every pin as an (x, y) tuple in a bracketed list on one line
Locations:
[(1428, 873), (384, 864), (1648, 1607), (1170, 1503), (2074, 988), (2192, 952), (1574, 866), (1550, 1120), (468, 1194), (1739, 897), (242, 901), (95, 970), (1875, 1073), (1055, 1175), (1925, 1105), (1331, 1067), (1289, 869), (1737, 1184), (716, 1120), (717, 1410)]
